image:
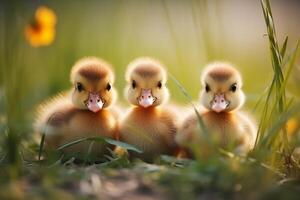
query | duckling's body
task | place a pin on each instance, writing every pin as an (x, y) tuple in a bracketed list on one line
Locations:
[(151, 129), (228, 130), (81, 113), (66, 123), (222, 97), (148, 125)]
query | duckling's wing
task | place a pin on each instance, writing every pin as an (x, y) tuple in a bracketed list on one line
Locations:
[(249, 125), (46, 111)]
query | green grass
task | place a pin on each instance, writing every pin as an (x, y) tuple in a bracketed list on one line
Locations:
[(29, 75)]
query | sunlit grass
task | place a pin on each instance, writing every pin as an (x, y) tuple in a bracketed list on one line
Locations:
[(277, 107)]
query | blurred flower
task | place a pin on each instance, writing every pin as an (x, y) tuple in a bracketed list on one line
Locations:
[(45, 16), (292, 126), (41, 31)]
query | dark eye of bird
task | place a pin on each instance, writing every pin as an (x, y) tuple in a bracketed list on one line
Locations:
[(159, 85), (108, 87), (79, 87), (207, 88), (233, 87), (133, 84)]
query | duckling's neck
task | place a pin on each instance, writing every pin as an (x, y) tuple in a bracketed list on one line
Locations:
[(220, 114), (151, 111), (148, 109), (88, 112)]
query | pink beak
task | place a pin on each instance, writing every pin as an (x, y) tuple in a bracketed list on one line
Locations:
[(146, 99), (219, 103), (94, 102)]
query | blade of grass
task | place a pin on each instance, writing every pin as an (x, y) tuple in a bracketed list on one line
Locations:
[(88, 152), (41, 147), (123, 145), (69, 144), (100, 139), (290, 67), (283, 49), (185, 93)]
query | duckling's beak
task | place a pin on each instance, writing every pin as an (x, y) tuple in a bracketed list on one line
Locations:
[(94, 102), (146, 98), (219, 103)]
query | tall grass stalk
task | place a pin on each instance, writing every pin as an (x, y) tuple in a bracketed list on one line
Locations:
[(11, 88), (272, 132)]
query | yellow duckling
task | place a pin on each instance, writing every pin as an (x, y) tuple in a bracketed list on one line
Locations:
[(82, 112), (222, 97), (148, 125)]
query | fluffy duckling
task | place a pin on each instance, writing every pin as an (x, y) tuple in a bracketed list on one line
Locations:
[(222, 97), (82, 112), (148, 125)]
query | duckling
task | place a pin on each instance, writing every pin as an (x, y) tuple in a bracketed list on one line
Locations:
[(222, 97), (149, 125), (84, 111)]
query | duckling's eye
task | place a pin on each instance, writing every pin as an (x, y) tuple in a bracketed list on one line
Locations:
[(207, 88), (79, 87), (133, 84), (108, 87), (159, 85), (233, 87)]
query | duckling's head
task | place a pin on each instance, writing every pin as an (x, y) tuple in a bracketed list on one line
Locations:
[(146, 80), (221, 85), (93, 84)]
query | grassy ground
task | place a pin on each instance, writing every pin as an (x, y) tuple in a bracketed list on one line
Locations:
[(29, 75)]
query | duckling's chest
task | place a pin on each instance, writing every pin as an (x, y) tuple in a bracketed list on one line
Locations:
[(148, 129), (100, 123), (149, 120), (224, 124)]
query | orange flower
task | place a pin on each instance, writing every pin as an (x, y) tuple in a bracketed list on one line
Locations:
[(45, 16), (292, 126), (41, 31)]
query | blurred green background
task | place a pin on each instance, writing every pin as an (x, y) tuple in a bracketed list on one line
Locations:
[(184, 35)]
